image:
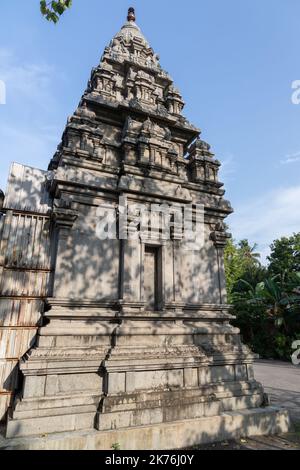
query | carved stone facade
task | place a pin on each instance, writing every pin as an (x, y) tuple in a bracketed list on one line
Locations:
[(109, 360)]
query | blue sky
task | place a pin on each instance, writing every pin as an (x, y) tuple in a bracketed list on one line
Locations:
[(234, 62)]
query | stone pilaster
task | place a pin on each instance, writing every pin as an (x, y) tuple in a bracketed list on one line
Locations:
[(64, 219), (220, 238)]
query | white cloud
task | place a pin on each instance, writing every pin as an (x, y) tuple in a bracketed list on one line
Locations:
[(266, 218), (292, 158), (33, 147), (5, 54), (228, 169), (29, 82), (28, 130)]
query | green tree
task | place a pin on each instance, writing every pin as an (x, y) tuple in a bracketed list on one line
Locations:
[(285, 256), (253, 275), (52, 10), (282, 305), (269, 315), (266, 301), (241, 261), (233, 266), (249, 253)]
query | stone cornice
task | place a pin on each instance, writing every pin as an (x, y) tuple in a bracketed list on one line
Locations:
[(64, 218), (125, 106), (219, 235)]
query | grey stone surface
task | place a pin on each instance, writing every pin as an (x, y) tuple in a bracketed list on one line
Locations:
[(110, 355), (177, 435)]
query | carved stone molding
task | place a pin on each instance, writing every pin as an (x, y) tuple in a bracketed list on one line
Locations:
[(64, 218), (219, 235)]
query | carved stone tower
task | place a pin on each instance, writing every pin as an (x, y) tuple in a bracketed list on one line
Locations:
[(135, 344)]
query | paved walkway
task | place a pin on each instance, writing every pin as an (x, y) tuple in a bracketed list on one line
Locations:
[(281, 381)]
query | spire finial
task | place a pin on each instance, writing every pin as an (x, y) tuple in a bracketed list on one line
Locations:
[(131, 14)]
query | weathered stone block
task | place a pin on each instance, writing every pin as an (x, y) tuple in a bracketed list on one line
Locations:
[(241, 372), (223, 374), (34, 386), (153, 380), (116, 383), (190, 377), (78, 382)]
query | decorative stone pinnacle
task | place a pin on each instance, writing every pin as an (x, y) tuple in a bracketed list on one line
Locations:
[(131, 14)]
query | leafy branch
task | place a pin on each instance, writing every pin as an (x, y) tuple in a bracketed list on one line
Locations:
[(53, 10)]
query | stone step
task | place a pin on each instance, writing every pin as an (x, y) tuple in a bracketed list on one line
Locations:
[(178, 435)]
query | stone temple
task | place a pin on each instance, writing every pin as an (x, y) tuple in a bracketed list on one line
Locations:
[(121, 341)]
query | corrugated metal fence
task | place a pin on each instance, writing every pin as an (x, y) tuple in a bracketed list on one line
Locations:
[(26, 267)]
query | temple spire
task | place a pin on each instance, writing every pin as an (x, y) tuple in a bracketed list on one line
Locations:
[(131, 14)]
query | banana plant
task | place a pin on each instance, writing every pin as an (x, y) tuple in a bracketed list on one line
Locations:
[(281, 302)]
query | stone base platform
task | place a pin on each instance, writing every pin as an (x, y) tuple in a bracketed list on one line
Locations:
[(176, 435)]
